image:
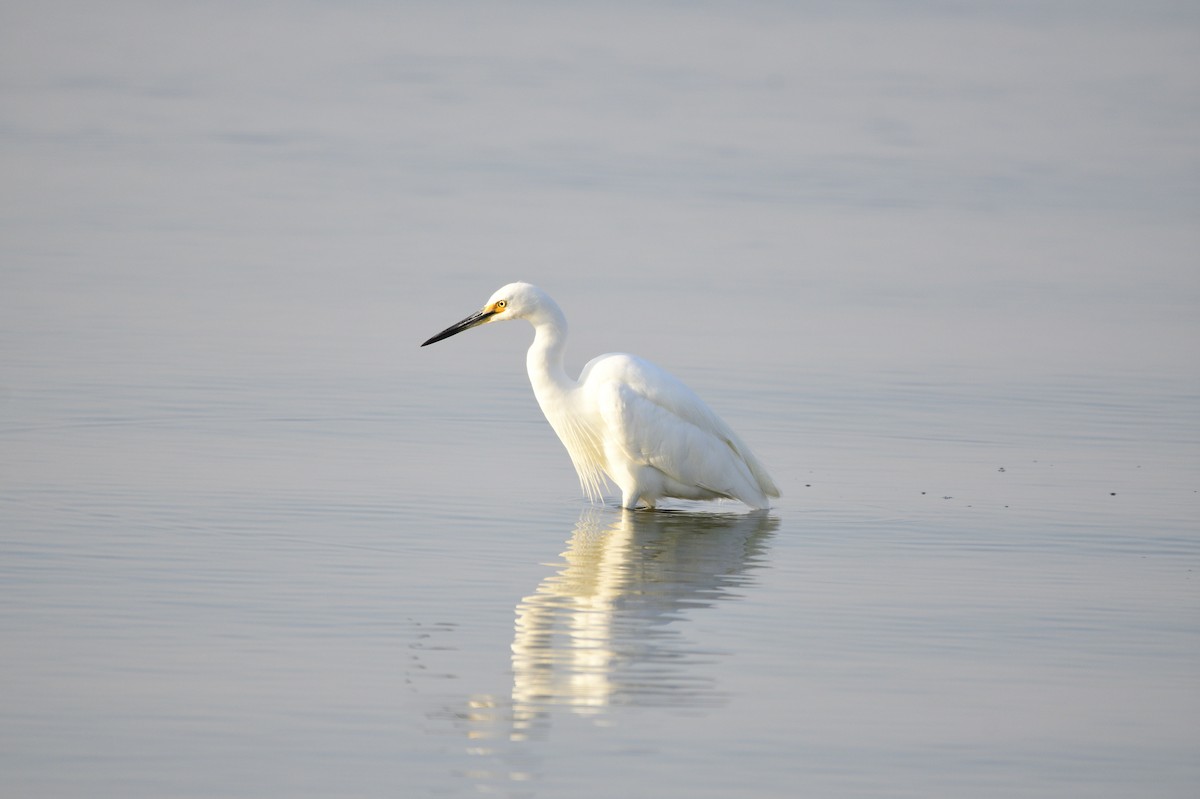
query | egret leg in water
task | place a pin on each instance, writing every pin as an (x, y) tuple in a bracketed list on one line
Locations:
[(625, 418)]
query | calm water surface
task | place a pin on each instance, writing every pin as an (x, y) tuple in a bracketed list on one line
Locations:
[(938, 269)]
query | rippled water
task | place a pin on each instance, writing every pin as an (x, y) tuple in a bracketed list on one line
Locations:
[(937, 268)]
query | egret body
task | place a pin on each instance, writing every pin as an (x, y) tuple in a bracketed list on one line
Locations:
[(625, 418)]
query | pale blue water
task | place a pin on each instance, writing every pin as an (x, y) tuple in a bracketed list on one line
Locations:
[(936, 267)]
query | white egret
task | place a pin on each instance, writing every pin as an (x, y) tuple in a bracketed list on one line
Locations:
[(625, 418)]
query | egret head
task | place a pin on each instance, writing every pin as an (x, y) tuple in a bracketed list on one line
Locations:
[(514, 301)]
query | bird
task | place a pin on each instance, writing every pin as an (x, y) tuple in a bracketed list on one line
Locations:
[(626, 419)]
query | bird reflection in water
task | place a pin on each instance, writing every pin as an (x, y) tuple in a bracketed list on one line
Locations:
[(606, 629)]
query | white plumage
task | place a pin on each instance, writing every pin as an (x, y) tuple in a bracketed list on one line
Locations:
[(625, 418)]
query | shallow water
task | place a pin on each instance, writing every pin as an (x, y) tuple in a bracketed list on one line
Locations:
[(937, 270)]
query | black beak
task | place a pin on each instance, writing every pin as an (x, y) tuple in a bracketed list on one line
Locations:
[(474, 320)]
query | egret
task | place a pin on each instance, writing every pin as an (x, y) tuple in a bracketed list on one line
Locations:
[(625, 418)]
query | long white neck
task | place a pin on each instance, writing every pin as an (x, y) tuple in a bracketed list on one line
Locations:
[(545, 357), (556, 394)]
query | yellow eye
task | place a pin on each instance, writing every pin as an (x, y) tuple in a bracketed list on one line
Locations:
[(501, 304)]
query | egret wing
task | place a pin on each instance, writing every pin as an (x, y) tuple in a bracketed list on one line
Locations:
[(647, 409), (666, 426)]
